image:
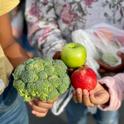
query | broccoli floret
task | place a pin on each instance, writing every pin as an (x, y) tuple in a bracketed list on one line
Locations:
[(29, 76), (20, 86), (32, 89), (58, 64), (45, 79), (36, 65), (48, 61), (55, 81), (42, 75), (53, 95), (44, 88), (64, 85), (18, 71)]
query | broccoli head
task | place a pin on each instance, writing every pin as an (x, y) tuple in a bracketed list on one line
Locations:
[(45, 79)]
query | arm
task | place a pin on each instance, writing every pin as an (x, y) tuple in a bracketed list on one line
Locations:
[(115, 87), (12, 49), (43, 31)]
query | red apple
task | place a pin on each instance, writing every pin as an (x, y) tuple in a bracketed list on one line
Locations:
[(84, 78)]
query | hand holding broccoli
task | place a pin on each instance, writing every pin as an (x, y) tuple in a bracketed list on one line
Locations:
[(39, 108), (42, 79)]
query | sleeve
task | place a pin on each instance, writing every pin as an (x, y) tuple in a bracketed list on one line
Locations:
[(116, 90), (43, 31), (7, 5)]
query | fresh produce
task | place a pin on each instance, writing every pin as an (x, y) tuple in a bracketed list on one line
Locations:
[(45, 79), (84, 78), (74, 55)]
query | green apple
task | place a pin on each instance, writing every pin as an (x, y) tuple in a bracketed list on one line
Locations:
[(74, 55)]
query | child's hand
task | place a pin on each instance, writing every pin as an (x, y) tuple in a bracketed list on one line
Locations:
[(98, 96), (39, 108)]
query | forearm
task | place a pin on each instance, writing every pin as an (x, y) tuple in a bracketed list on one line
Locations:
[(11, 48), (50, 44), (16, 54), (43, 32), (115, 87)]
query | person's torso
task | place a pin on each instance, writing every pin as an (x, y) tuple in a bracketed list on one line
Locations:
[(80, 14)]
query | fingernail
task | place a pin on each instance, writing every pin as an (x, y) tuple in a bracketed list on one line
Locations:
[(33, 112), (91, 92), (79, 91), (30, 103), (85, 92)]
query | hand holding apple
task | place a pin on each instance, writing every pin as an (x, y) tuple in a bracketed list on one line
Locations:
[(98, 96), (87, 90), (83, 78)]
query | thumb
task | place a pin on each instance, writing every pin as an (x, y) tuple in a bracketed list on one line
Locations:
[(100, 97)]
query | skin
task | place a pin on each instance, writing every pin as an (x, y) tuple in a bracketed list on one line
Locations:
[(12, 49), (17, 55), (98, 96), (40, 108)]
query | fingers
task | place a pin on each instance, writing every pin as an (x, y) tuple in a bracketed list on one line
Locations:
[(82, 97), (39, 108), (86, 99), (74, 97), (99, 98), (79, 95), (39, 114)]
